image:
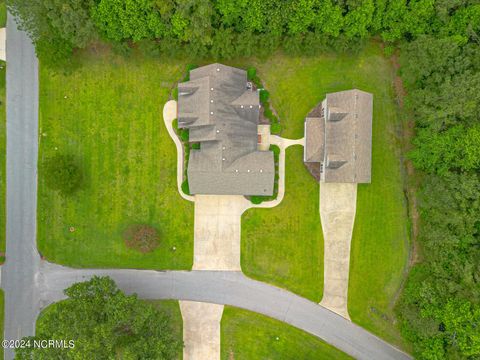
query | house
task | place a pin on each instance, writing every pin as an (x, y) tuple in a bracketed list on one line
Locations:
[(338, 138), (221, 111)]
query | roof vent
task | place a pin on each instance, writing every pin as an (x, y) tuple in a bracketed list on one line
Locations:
[(218, 69)]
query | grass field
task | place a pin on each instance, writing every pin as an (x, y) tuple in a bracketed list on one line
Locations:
[(249, 336), (284, 245), (3, 13), (107, 113), (294, 259)]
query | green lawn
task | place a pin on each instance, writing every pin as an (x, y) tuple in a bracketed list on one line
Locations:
[(107, 113), (250, 336), (3, 13), (283, 245)]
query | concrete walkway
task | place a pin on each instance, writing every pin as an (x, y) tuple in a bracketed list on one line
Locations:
[(170, 114), (201, 330), (283, 144), (3, 44), (337, 212), (217, 231)]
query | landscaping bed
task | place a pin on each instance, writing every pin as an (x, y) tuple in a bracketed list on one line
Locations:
[(107, 114)]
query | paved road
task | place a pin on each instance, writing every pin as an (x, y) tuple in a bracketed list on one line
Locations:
[(31, 284), (18, 273), (231, 288)]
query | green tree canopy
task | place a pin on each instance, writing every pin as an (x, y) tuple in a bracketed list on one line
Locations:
[(105, 324)]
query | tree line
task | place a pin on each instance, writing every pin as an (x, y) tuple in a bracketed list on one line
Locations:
[(229, 28), (440, 306), (439, 309)]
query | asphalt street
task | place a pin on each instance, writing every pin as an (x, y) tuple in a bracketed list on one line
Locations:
[(31, 284), (21, 266)]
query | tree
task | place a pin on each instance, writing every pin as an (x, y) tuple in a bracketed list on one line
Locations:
[(103, 321), (141, 237), (65, 24), (63, 174)]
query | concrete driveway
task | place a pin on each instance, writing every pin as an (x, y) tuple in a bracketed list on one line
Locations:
[(217, 231), (201, 330), (337, 212)]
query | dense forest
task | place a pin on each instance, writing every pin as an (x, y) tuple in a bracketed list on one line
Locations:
[(439, 42)]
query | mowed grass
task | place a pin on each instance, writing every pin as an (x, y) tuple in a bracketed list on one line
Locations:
[(107, 113), (3, 13), (380, 241), (3, 153), (284, 245), (246, 335)]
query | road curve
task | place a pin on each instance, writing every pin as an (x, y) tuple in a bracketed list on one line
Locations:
[(230, 288)]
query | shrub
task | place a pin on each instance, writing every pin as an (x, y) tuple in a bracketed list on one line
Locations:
[(195, 146), (257, 199), (63, 174), (190, 67), (175, 93), (264, 95), (276, 128), (251, 73), (184, 135), (141, 237), (186, 187), (175, 125)]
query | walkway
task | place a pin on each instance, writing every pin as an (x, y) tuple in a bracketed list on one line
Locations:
[(170, 114), (283, 144), (337, 211)]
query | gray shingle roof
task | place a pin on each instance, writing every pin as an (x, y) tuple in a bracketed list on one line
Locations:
[(222, 114), (347, 142)]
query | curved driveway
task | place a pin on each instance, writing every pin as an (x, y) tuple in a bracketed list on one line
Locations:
[(31, 284)]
